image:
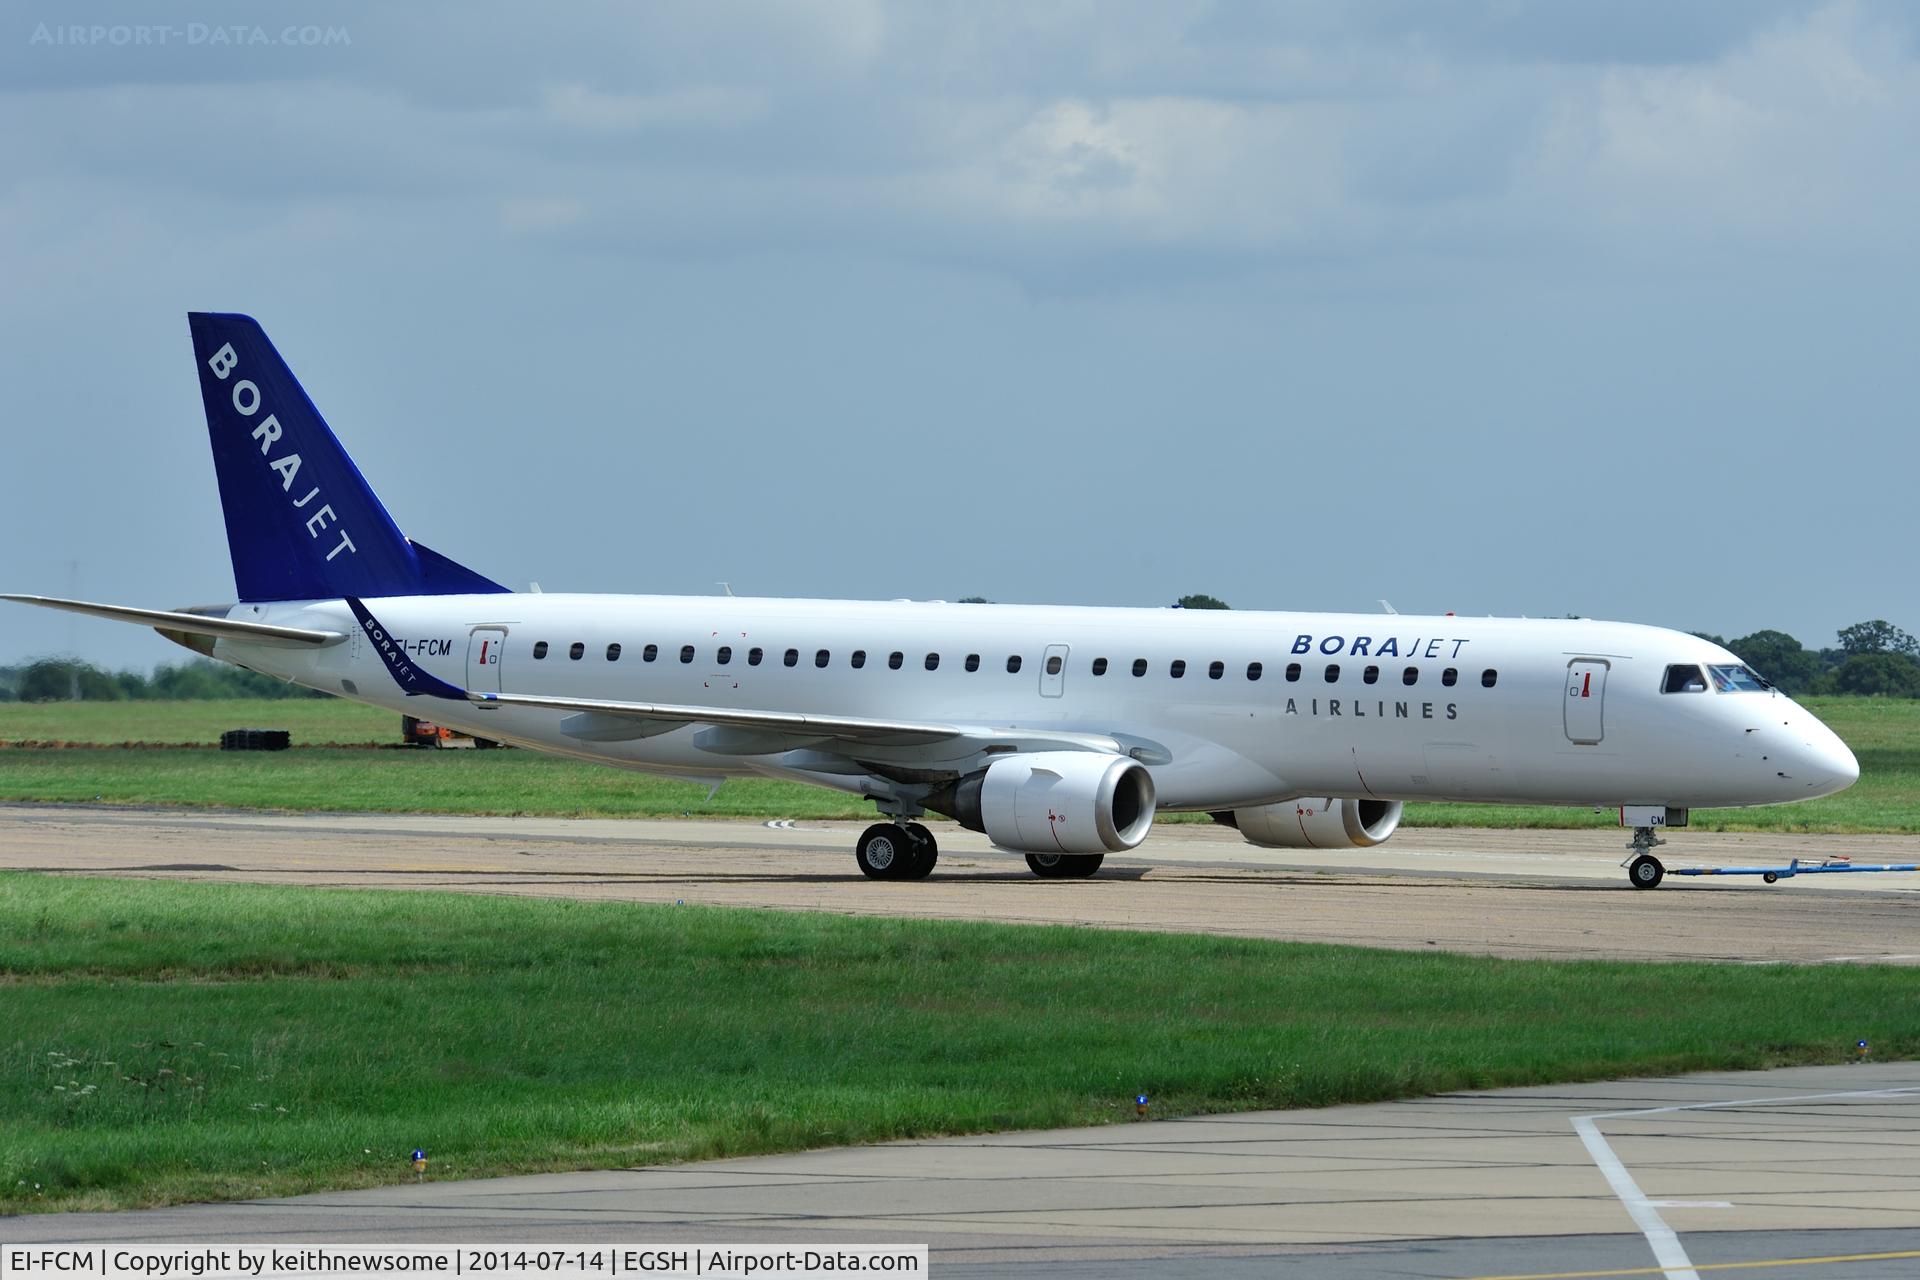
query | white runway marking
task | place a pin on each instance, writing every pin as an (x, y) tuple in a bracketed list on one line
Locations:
[(1667, 1250)]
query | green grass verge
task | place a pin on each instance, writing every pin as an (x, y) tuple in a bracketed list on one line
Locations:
[(170, 1041), (310, 720), (1884, 733), (487, 782)]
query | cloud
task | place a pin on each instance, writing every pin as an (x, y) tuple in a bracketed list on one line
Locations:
[(1015, 136), (576, 106), (1790, 137)]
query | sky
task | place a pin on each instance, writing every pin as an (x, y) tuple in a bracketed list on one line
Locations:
[(1493, 307)]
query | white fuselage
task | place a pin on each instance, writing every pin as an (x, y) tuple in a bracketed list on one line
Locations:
[(1573, 711)]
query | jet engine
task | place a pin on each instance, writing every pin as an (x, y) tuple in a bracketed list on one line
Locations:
[(1316, 823), (1055, 802)]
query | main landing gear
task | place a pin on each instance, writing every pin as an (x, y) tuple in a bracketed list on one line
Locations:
[(1643, 869), (896, 851)]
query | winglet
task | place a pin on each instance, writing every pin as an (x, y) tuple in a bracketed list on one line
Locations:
[(411, 679)]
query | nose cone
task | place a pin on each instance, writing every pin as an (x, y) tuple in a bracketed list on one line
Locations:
[(1827, 764)]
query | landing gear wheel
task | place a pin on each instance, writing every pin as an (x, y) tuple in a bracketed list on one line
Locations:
[(1769, 877), (926, 852), (1064, 866), (884, 852), (1646, 872)]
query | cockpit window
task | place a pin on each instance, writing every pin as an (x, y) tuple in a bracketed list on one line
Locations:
[(1684, 678), (1738, 680)]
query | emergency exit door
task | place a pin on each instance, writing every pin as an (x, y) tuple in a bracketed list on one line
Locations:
[(483, 659), (1586, 700), (1053, 671)]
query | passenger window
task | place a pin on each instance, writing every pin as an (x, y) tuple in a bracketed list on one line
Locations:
[(577, 650), (1489, 678), (1293, 672), (754, 656), (933, 662), (821, 658), (894, 660), (613, 653), (1333, 673), (1139, 666), (1215, 670), (1177, 668), (859, 659), (1013, 664), (792, 657), (539, 648), (1450, 677), (686, 653), (973, 662), (1053, 665), (725, 655), (1684, 678), (649, 653), (1410, 676), (1253, 670), (1371, 675), (1099, 666)]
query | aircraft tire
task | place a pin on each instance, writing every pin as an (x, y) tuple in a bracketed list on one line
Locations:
[(926, 852), (884, 852), (1645, 872), (1064, 866)]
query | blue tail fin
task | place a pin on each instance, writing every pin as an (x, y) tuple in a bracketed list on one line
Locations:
[(302, 524)]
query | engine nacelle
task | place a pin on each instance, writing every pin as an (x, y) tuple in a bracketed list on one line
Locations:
[(1317, 823), (1055, 802)]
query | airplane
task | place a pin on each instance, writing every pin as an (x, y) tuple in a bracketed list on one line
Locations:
[(1059, 732)]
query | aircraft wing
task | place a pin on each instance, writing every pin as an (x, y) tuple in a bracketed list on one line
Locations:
[(669, 716), (749, 732)]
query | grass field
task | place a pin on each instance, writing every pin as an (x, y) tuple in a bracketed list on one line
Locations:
[(312, 721), (1884, 733), (170, 1041)]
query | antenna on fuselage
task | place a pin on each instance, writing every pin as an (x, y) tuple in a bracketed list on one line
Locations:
[(1388, 606), (725, 586)]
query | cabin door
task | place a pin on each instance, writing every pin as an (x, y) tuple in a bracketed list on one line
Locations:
[(483, 659), (1586, 700)]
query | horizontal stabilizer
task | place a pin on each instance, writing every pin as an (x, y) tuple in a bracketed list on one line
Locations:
[(193, 624)]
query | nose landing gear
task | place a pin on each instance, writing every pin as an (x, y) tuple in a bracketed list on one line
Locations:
[(1643, 869)]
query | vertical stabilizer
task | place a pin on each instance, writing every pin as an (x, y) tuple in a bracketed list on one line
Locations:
[(302, 523)]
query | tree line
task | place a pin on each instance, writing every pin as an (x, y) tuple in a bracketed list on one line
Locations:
[(1874, 659), (65, 679)]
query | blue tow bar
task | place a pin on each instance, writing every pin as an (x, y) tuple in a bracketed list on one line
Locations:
[(1794, 868)]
